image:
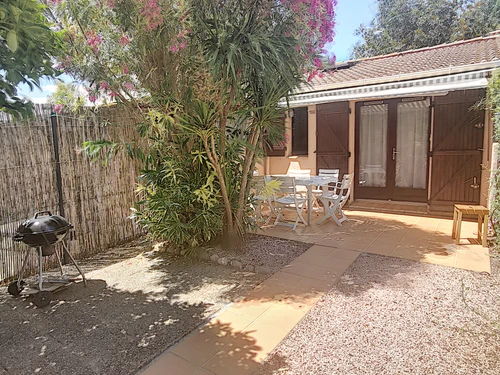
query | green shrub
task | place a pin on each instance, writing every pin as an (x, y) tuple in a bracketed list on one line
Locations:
[(179, 204)]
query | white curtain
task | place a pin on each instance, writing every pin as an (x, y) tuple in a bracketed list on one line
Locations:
[(373, 145), (412, 144)]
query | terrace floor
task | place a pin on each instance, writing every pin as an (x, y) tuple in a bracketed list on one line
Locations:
[(237, 340), (420, 238)]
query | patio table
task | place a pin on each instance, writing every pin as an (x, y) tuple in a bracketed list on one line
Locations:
[(309, 182)]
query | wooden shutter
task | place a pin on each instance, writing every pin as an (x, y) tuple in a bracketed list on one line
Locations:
[(457, 150), (276, 148), (332, 145)]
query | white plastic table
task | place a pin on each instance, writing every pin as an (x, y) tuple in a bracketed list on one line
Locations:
[(309, 182)]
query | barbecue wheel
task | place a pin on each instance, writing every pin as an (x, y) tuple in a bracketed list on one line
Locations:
[(42, 299), (14, 290)]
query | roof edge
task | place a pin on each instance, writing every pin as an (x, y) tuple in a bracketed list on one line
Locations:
[(407, 52), (402, 77)]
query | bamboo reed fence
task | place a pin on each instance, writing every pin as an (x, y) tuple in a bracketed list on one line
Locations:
[(96, 198)]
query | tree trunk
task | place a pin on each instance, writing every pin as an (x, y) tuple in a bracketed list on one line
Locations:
[(214, 159), (223, 121), (249, 157)]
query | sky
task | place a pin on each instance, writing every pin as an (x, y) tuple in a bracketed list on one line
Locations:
[(350, 14)]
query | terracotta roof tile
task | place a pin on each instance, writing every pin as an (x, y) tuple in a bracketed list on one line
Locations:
[(467, 52)]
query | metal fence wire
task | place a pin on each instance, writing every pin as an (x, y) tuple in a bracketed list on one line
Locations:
[(42, 168)]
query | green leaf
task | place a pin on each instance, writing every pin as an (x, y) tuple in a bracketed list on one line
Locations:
[(12, 40)]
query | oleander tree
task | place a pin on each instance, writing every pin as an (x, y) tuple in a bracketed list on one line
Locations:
[(206, 78), (27, 48)]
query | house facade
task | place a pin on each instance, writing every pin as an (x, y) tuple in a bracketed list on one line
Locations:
[(406, 124)]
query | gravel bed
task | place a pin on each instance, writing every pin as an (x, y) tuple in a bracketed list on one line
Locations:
[(393, 316), (138, 304), (258, 250)]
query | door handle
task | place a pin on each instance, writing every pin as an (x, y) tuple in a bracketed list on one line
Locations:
[(394, 152)]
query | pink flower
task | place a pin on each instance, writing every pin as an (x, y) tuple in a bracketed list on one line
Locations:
[(125, 69), (58, 108), (151, 12), (317, 62), (312, 75), (94, 40), (182, 45), (312, 24), (174, 48), (128, 86), (113, 94), (111, 3), (104, 85), (93, 98), (124, 40)]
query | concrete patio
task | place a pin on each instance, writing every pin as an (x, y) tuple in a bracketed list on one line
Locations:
[(239, 339), (416, 237)]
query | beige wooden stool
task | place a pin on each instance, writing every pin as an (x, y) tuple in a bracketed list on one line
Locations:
[(482, 221)]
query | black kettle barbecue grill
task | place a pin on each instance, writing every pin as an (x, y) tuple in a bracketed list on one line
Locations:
[(43, 231)]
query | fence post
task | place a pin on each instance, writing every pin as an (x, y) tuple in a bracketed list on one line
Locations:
[(55, 141)]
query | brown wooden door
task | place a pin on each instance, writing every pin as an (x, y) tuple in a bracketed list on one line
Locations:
[(457, 150), (332, 133), (392, 149)]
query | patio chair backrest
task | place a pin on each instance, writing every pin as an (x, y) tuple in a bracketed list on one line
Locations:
[(258, 183), (287, 184), (347, 181), (345, 188), (329, 173), (299, 172)]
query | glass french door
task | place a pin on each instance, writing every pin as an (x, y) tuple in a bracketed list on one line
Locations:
[(392, 149)]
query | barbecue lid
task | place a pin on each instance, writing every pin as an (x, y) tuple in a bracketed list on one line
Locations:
[(43, 222)]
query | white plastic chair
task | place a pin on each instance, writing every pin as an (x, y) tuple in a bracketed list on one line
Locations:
[(300, 173), (334, 201), (261, 199), (330, 173), (288, 198)]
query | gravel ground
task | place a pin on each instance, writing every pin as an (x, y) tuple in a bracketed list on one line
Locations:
[(257, 250), (392, 316), (138, 303)]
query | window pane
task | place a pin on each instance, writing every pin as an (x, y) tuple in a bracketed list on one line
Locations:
[(299, 132), (412, 144), (373, 145)]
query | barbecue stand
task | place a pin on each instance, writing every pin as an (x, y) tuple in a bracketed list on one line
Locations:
[(42, 232)]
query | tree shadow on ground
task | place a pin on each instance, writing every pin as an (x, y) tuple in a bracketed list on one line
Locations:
[(422, 240), (132, 310), (137, 306)]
